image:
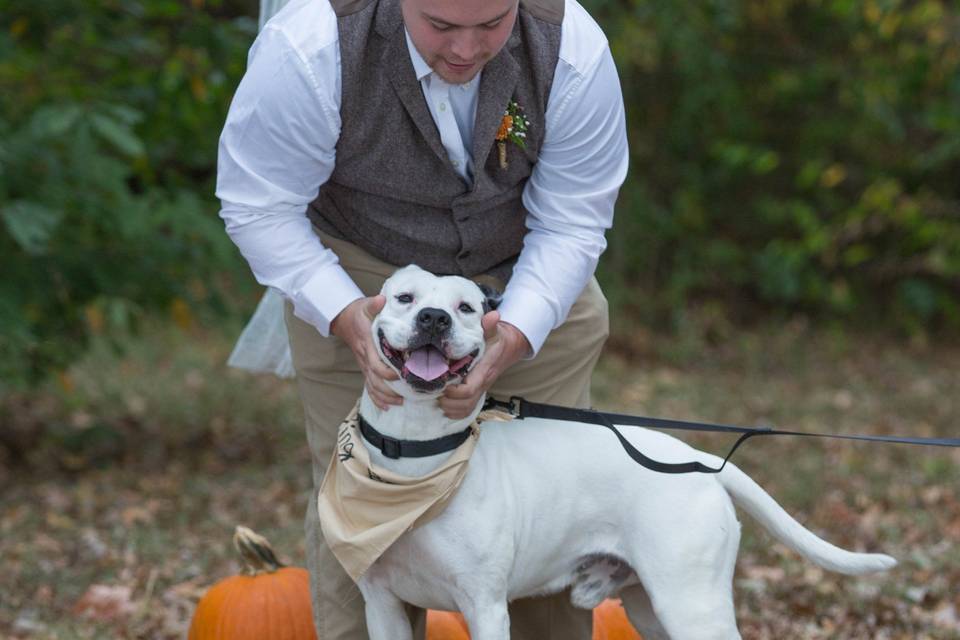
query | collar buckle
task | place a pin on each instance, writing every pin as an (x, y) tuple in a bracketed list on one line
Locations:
[(390, 447), (513, 407), (516, 407)]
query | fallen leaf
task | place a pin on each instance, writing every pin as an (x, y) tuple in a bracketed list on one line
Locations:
[(105, 603), (946, 617)]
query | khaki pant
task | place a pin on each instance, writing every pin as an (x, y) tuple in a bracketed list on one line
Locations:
[(330, 382)]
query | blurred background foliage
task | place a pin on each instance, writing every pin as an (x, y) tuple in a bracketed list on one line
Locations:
[(109, 118), (788, 157)]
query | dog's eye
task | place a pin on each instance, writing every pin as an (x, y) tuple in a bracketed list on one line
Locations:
[(465, 308), (404, 298)]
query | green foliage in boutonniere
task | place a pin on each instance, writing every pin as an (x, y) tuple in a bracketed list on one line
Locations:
[(513, 127)]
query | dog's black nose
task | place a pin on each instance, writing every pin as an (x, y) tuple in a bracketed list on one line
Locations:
[(433, 321)]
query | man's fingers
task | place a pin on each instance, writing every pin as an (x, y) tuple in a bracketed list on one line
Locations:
[(378, 403), (489, 323), (383, 403), (380, 386), (374, 305), (376, 374), (461, 391), (472, 385), (456, 409), (385, 372), (383, 394), (382, 370), (375, 363)]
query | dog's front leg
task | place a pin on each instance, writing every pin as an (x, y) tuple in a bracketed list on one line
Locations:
[(488, 621), (386, 616)]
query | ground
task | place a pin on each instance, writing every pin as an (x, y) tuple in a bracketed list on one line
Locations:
[(124, 478)]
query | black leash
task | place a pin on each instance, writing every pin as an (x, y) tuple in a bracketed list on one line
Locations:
[(520, 409)]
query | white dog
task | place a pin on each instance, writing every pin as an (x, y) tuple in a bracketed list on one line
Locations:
[(547, 505)]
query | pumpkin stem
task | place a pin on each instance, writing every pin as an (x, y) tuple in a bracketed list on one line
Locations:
[(258, 556)]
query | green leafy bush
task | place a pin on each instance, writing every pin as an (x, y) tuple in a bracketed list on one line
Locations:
[(107, 159), (789, 155)]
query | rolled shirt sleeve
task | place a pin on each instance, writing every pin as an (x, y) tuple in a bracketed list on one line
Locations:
[(276, 149), (571, 194)]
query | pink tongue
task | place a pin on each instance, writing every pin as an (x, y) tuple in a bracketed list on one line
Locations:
[(427, 363)]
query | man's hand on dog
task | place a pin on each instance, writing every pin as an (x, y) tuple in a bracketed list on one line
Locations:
[(352, 325), (505, 346)]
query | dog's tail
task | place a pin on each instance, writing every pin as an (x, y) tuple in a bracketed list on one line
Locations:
[(758, 503)]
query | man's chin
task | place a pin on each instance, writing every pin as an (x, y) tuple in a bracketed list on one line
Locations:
[(453, 75)]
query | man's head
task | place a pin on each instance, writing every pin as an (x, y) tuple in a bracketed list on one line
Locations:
[(457, 37), (429, 330)]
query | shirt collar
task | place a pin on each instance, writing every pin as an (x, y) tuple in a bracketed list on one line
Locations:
[(422, 69), (420, 66)]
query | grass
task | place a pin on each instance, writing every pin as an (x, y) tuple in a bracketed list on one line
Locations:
[(132, 469)]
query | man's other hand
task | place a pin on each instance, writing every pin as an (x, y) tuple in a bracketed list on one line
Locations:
[(352, 325), (505, 346)]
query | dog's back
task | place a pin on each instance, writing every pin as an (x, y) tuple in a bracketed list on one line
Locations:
[(541, 497)]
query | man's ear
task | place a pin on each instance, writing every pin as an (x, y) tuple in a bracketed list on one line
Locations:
[(492, 298)]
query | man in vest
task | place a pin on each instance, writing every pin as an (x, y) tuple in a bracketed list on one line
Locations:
[(371, 134)]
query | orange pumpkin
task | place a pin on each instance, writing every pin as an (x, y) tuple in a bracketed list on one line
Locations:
[(609, 623), (445, 625), (270, 602)]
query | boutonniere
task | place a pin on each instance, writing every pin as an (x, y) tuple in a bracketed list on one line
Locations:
[(513, 127)]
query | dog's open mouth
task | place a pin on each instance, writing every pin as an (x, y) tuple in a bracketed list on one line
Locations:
[(426, 368)]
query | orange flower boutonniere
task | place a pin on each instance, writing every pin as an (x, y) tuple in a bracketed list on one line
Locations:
[(513, 127)]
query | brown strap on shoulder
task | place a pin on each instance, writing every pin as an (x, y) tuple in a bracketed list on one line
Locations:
[(547, 10), (347, 7)]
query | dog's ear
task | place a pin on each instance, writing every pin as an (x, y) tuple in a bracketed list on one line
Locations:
[(491, 296)]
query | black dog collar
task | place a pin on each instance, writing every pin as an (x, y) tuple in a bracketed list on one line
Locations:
[(393, 448)]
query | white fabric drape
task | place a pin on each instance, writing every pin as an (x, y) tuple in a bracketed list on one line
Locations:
[(264, 347)]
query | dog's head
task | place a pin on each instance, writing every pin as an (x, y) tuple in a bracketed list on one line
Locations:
[(429, 330)]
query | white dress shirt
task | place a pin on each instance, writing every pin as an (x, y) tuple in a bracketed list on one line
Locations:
[(453, 108), (279, 146)]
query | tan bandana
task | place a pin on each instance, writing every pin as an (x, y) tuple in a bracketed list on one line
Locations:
[(364, 508)]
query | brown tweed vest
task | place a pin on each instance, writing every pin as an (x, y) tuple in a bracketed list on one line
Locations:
[(394, 191)]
